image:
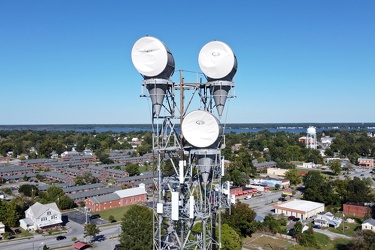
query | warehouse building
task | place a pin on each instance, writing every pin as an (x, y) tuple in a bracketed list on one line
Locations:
[(299, 208)]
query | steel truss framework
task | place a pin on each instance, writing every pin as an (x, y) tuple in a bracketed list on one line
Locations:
[(188, 198)]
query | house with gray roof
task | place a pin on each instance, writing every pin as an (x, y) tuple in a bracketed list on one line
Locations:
[(57, 176), (327, 220), (36, 162), (40, 216), (60, 185), (82, 188), (369, 224), (18, 177), (15, 170), (131, 180), (114, 173), (81, 196)]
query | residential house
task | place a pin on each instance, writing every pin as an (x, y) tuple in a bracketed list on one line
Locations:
[(40, 216), (369, 224), (327, 220)]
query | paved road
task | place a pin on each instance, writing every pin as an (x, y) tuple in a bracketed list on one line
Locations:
[(74, 230), (263, 204)]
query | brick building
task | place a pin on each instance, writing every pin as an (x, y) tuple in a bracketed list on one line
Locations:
[(356, 209), (366, 162), (116, 199)]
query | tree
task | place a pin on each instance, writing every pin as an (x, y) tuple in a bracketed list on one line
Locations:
[(335, 167), (359, 190), (241, 219), (320, 189), (39, 177), (65, 202), (111, 218), (137, 228), (313, 179), (79, 181), (28, 190), (91, 230), (53, 193), (230, 240), (271, 224), (365, 240), (144, 148), (293, 176), (329, 152), (239, 178), (297, 230), (11, 215), (308, 239), (132, 169)]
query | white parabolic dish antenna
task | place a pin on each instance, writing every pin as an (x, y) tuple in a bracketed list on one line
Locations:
[(217, 60), (152, 58), (200, 128)]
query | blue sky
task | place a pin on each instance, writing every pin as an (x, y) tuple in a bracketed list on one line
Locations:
[(68, 62)]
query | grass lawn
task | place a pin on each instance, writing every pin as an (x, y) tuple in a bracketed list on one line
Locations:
[(118, 213), (144, 168), (349, 231), (266, 242), (327, 244)]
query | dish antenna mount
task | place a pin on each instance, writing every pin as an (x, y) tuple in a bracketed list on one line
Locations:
[(155, 63)]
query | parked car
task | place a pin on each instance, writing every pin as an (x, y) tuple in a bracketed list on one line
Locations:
[(316, 227), (296, 219), (61, 237), (291, 217), (94, 216)]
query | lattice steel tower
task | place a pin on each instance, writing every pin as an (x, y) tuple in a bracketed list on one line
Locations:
[(188, 195)]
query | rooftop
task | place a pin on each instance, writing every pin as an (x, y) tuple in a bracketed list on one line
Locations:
[(300, 205)]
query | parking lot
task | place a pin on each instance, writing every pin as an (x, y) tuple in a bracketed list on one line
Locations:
[(80, 218)]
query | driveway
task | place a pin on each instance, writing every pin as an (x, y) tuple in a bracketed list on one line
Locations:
[(332, 235)]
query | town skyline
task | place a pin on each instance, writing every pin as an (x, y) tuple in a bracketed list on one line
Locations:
[(298, 62)]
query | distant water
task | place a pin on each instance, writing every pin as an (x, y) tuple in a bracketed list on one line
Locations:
[(236, 128)]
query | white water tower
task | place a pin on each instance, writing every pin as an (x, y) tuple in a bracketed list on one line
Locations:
[(311, 137)]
